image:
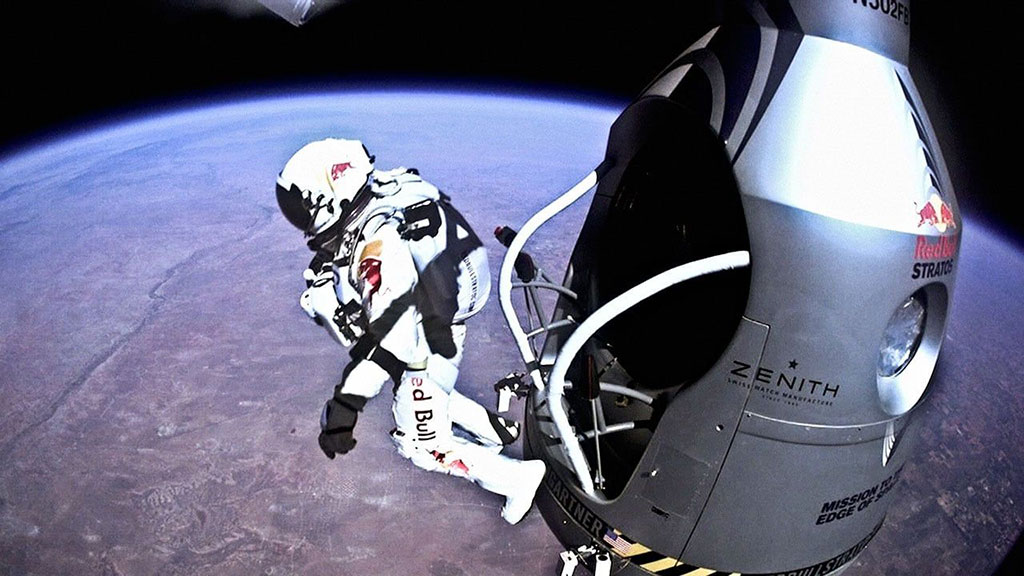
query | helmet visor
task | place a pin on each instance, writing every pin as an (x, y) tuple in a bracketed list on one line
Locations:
[(293, 206)]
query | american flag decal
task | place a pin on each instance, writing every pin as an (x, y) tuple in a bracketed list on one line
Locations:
[(653, 562), (621, 545)]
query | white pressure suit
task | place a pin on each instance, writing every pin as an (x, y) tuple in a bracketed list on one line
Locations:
[(396, 274)]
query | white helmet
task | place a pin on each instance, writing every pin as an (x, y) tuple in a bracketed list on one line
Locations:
[(319, 182)]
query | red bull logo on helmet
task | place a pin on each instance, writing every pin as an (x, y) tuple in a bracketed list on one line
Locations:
[(936, 213), (339, 169)]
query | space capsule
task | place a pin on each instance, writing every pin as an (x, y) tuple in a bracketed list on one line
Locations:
[(298, 12), (754, 306)]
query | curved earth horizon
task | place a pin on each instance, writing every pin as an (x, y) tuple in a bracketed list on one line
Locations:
[(162, 387)]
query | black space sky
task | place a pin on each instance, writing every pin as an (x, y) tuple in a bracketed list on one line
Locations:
[(74, 63)]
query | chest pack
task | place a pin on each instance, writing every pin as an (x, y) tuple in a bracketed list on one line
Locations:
[(438, 238)]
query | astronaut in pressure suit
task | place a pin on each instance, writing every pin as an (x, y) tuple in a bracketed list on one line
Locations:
[(396, 272)]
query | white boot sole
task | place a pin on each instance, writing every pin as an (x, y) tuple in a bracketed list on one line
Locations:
[(517, 506)]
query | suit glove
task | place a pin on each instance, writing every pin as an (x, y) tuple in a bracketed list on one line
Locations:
[(337, 420)]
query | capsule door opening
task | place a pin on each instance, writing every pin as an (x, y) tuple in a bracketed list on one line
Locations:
[(669, 198)]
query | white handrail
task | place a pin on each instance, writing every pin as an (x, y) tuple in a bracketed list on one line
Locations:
[(600, 317), (623, 390), (508, 265)]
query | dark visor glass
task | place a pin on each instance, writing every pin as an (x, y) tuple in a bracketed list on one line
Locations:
[(292, 206)]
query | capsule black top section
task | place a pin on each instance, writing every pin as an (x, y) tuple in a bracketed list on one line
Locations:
[(882, 26)]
